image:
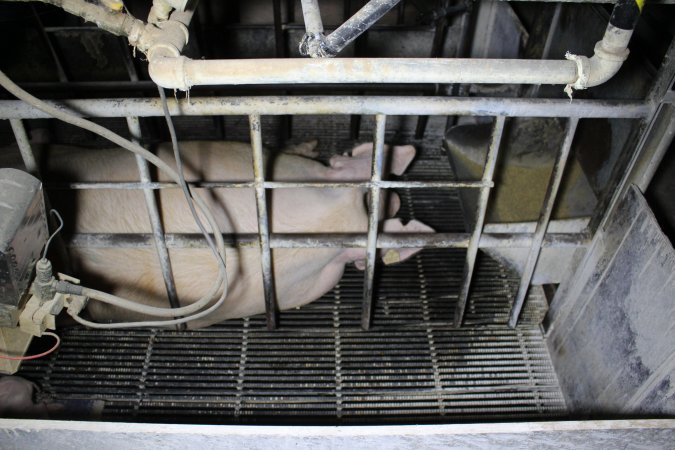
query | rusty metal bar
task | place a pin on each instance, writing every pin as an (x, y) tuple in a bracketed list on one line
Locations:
[(544, 218), (373, 220), (155, 220), (333, 240), (272, 185), (283, 105), (481, 210), (263, 222)]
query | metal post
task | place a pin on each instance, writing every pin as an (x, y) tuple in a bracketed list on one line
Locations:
[(373, 220), (32, 167), (481, 210), (155, 220), (312, 16), (552, 31), (263, 222), (544, 217), (24, 146)]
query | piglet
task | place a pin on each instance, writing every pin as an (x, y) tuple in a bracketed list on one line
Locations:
[(301, 275), (19, 399)]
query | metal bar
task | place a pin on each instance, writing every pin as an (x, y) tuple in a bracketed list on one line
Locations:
[(147, 85), (279, 105), (155, 220), (333, 240), (357, 24), (279, 41), (373, 220), (481, 210), (552, 30), (32, 167), (273, 185), (24, 146), (312, 16), (61, 73), (263, 222), (544, 218)]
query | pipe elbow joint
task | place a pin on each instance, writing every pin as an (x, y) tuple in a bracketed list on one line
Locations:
[(169, 71), (605, 63)]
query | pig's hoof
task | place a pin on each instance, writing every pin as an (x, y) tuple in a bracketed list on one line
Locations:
[(391, 257)]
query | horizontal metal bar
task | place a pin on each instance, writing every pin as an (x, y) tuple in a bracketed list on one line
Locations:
[(333, 240), (68, 86), (282, 105), (271, 185)]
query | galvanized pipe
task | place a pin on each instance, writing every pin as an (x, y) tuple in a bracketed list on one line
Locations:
[(542, 223), (373, 219), (155, 220), (284, 105), (23, 143), (481, 210), (357, 24), (333, 240), (263, 222), (271, 185)]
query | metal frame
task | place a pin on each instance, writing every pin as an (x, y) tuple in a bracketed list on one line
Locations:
[(381, 107)]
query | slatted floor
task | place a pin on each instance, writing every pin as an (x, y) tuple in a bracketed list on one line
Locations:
[(412, 367)]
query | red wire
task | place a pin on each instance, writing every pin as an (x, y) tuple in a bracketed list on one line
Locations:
[(40, 355)]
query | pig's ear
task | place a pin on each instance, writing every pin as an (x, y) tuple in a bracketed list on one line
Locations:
[(393, 256)]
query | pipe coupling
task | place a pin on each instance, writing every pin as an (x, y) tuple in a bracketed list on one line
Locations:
[(314, 45)]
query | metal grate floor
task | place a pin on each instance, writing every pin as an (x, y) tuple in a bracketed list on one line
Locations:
[(412, 367)]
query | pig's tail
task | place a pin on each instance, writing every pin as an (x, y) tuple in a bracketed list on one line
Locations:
[(218, 248)]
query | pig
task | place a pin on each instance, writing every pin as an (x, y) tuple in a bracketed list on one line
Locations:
[(301, 275), (19, 398)]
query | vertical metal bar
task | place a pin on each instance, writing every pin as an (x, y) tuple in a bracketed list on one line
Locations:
[(553, 29), (155, 220), (32, 167), (373, 220), (61, 73), (24, 146), (312, 16), (280, 43), (481, 209), (544, 217), (440, 33), (263, 222), (278, 30), (400, 17)]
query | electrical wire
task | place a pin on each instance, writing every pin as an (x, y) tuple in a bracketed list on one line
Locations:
[(39, 355), (60, 227), (221, 281)]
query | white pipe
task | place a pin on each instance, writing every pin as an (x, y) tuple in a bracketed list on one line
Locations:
[(608, 57), (183, 73)]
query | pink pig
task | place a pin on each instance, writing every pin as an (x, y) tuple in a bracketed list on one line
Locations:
[(301, 275)]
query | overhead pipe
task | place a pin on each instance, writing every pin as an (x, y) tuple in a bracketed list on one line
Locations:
[(164, 42)]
